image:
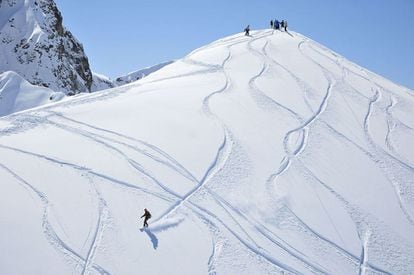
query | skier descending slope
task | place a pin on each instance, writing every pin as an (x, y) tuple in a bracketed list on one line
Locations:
[(146, 216)]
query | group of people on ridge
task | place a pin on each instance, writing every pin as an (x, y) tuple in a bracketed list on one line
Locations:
[(276, 25)]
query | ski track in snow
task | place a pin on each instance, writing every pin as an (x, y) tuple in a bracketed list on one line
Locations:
[(221, 156), (129, 160), (373, 153), (376, 92), (378, 154), (392, 124), (305, 87), (356, 216), (293, 153), (83, 169), (259, 95), (284, 165), (266, 233), (252, 245), (390, 127), (386, 158), (360, 72), (303, 128), (212, 169), (49, 231), (262, 231), (249, 246), (149, 150), (364, 254), (390, 119), (103, 220)]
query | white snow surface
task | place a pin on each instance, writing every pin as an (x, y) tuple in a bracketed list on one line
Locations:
[(255, 155), (16, 94)]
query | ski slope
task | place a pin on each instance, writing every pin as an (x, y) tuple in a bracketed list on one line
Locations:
[(255, 155)]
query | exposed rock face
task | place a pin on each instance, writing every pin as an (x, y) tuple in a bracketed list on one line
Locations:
[(36, 45)]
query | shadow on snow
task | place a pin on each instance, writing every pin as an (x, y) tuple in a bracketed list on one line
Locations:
[(159, 228)]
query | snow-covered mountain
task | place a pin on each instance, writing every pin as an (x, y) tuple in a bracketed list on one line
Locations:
[(255, 155), (139, 74), (35, 44)]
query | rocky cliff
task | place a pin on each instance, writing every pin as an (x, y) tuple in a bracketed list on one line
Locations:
[(36, 45)]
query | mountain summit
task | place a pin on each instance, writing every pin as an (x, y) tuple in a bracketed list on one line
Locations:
[(261, 154)]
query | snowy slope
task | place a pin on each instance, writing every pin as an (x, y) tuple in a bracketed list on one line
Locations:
[(16, 94), (256, 155)]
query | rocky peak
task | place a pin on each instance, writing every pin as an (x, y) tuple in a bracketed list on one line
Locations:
[(36, 45)]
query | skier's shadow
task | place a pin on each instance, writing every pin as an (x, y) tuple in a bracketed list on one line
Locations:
[(158, 228), (152, 237)]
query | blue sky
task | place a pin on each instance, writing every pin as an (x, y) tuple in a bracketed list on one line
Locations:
[(126, 35)]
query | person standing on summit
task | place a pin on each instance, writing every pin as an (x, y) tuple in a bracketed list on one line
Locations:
[(146, 216), (271, 24), (284, 25), (247, 30), (277, 24)]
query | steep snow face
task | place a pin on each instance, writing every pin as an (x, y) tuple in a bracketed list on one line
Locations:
[(34, 43), (136, 75), (16, 94), (255, 155)]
